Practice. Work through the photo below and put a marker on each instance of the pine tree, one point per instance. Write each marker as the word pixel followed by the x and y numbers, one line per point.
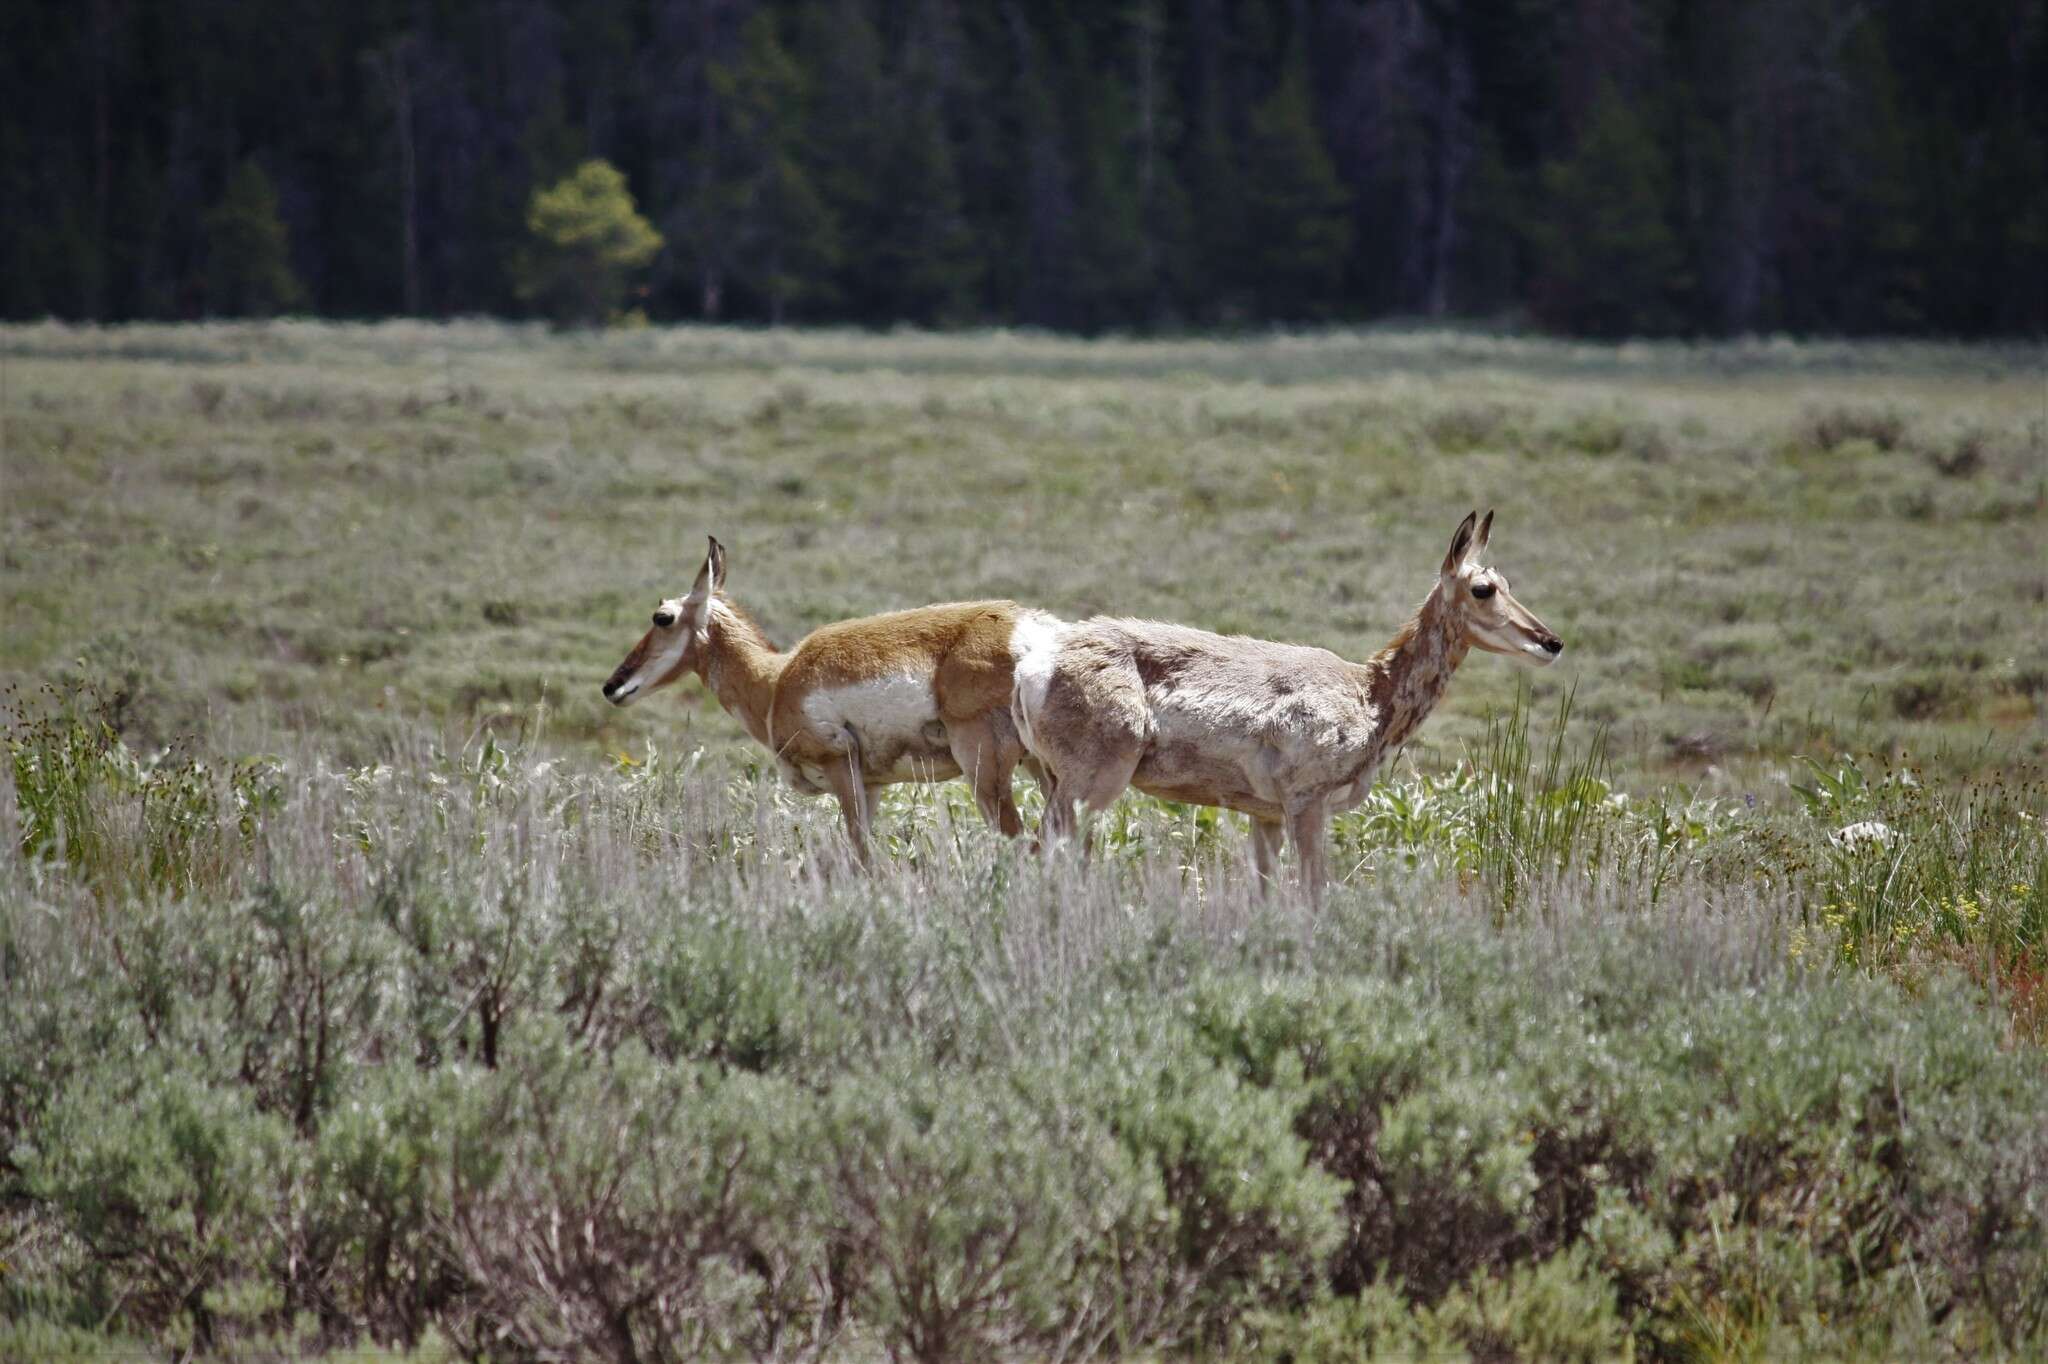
pixel 1048 289
pixel 1490 233
pixel 1165 226
pixel 1111 283
pixel 1217 277
pixel 927 264
pixel 846 143
pixel 248 251
pixel 1810 165
pixel 587 239
pixel 2017 191
pixel 779 234
pixel 1298 212
pixel 1607 262
pixel 1883 289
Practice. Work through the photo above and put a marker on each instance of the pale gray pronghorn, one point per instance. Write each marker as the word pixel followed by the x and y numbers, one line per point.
pixel 1285 733
pixel 920 695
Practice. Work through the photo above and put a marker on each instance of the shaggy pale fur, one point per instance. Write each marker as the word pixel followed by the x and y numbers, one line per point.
pixel 1287 733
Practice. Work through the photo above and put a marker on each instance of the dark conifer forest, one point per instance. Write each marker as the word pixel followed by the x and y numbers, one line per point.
pixel 1601 167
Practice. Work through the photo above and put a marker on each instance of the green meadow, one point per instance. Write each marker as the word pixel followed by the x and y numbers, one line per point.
pixel 1753 551
pixel 370 988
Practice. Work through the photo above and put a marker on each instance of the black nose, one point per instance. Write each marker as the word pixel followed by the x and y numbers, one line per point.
pixel 610 687
pixel 1554 644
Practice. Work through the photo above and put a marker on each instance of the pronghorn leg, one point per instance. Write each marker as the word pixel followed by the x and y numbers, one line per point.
pixel 1059 816
pixel 1267 836
pixel 1089 730
pixel 1309 827
pixel 1049 788
pixel 980 752
pixel 848 785
pixel 1095 788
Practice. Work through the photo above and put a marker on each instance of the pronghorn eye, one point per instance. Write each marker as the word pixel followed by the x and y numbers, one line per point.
pixel 664 618
pixel 1482 590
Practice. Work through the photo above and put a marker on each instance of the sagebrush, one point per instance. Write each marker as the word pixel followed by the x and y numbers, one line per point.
pixel 469 1050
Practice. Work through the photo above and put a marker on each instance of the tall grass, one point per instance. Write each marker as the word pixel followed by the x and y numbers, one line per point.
pixel 462 1049
pixel 1536 818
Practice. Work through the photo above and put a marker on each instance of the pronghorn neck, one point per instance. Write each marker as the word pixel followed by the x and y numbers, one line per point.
pixel 1411 674
pixel 740 666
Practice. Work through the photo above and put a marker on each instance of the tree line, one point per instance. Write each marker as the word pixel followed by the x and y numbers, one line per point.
pixel 1603 167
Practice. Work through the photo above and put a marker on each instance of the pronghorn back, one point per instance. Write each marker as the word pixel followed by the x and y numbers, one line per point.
pixel 1212 719
pixel 975 633
pixel 897 684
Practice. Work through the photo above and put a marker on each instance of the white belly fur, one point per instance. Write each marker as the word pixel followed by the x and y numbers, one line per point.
pixel 889 715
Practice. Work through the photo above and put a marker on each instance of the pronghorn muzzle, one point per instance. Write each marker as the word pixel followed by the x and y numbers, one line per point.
pixel 621 687
pixel 1536 644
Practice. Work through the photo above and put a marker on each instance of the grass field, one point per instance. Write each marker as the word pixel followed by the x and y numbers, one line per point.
pixel 352 949
pixel 1751 551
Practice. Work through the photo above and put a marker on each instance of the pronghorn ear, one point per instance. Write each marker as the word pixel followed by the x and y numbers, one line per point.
pixel 698 604
pixel 712 576
pixel 1485 532
pixel 1461 545
pixel 714 563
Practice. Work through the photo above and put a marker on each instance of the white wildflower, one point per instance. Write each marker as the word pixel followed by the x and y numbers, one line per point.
pixel 1866 833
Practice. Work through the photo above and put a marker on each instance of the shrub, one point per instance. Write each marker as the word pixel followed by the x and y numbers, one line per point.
pixel 722 992
pixel 1466 426
pixel 1462 1147
pixel 1251 1219
pixel 974 1215
pixel 1558 1309
pixel 377 1184
pixel 622 1208
pixel 1830 428
pixel 173 1184
pixel 1376 1325
pixel 1965 455
pixel 459 1041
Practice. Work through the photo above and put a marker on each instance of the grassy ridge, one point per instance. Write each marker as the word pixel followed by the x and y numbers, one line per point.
pixel 365 983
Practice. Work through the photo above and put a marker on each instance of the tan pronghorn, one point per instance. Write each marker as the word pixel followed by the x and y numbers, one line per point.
pixel 919 695
pixel 1286 733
